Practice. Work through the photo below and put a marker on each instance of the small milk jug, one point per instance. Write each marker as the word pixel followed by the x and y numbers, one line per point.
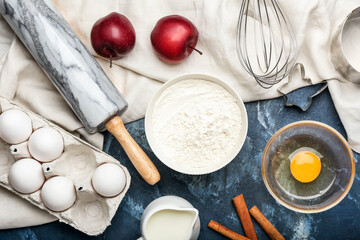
pixel 170 217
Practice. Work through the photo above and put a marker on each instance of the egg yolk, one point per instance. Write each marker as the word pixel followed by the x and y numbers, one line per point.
pixel 305 166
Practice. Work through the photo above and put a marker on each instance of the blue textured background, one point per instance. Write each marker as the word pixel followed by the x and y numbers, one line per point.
pixel 212 193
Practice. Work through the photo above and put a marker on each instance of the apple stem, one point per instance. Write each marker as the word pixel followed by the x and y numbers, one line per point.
pixel 110 60
pixel 200 52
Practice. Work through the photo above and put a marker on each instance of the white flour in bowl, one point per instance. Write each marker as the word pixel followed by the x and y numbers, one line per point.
pixel 196 123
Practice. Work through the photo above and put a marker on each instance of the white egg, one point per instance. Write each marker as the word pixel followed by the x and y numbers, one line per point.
pixel 26 175
pixel 46 144
pixel 15 126
pixel 109 180
pixel 58 193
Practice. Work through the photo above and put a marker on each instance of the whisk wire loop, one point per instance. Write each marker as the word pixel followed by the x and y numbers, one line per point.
pixel 269 52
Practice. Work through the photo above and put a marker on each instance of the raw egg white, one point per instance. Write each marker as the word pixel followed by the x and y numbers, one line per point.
pixel 305 165
pixel 58 193
pixel 15 126
pixel 26 175
pixel 46 144
pixel 109 180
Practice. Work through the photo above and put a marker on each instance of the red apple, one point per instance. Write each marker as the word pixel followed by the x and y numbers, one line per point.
pixel 174 38
pixel 113 36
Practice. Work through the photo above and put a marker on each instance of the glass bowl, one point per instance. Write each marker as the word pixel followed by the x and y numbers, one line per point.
pixel 337 167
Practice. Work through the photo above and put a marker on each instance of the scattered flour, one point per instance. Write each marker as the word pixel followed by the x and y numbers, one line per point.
pixel 196 122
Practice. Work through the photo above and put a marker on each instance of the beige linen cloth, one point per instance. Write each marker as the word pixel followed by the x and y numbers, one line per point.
pixel 140 74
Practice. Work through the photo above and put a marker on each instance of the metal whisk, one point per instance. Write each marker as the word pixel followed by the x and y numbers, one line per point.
pixel 265 41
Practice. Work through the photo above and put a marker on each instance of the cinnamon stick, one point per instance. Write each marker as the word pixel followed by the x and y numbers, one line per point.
pixel 244 216
pixel 265 224
pixel 225 231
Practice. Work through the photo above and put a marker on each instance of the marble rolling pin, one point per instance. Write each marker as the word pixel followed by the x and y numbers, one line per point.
pixel 75 73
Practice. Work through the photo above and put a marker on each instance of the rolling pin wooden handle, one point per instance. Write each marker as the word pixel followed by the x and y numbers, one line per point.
pixel 138 157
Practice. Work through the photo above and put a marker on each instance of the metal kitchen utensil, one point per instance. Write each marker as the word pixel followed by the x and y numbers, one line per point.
pixel 265 41
pixel 303 97
pixel 345 48
pixel 75 73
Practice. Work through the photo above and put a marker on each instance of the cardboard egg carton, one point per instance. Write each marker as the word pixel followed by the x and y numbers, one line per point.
pixel 91 213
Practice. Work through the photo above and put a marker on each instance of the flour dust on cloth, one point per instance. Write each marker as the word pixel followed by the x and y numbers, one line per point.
pixel 139 75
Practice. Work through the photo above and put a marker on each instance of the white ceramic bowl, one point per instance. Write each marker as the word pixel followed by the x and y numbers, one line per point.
pixel 185 169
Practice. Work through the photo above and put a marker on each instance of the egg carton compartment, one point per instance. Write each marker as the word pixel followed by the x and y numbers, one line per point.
pixel 91 213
